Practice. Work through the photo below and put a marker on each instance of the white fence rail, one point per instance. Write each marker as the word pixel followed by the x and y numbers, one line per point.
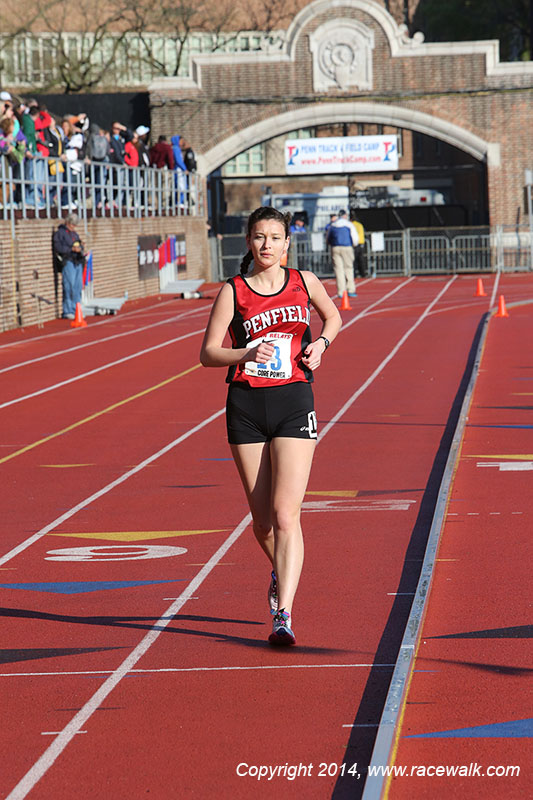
pixel 48 187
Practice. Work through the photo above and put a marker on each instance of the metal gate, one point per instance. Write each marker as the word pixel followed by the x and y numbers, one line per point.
pixel 415 251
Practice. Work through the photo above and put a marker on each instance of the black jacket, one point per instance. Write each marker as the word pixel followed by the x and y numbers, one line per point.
pixel 63 241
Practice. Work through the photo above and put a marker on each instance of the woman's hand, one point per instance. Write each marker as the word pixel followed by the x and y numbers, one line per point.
pixel 312 356
pixel 261 353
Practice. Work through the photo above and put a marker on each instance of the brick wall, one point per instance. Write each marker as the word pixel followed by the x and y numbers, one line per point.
pixel 456 84
pixel 26 265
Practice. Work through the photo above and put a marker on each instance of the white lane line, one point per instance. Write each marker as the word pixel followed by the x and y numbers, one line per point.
pixel 54 750
pixel 385 361
pixel 508 466
pixel 101 492
pixel 143 352
pixel 105 339
pixel 367 310
pixel 494 290
pixel 163 670
pixel 110 364
pixel 68 331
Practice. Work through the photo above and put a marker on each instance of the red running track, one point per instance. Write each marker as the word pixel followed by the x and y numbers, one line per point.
pixel 134 606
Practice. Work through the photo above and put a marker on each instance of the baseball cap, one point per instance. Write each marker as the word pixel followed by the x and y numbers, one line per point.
pixel 141 130
pixel 5 96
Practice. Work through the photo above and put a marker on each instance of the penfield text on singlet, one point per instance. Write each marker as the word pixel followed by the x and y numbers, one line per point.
pixel 266 319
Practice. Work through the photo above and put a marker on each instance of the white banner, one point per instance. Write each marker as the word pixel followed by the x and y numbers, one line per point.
pixel 341 154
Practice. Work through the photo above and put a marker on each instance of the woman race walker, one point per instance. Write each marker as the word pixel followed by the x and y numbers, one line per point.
pixel 270 414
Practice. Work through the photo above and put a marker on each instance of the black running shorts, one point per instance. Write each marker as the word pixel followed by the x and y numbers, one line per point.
pixel 260 414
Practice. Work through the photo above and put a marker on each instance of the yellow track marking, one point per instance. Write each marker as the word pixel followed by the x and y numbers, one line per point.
pixel 513 457
pixel 65 466
pixel 133 536
pixel 97 414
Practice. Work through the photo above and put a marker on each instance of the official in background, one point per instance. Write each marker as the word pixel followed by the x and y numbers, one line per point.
pixel 342 239
pixel 360 266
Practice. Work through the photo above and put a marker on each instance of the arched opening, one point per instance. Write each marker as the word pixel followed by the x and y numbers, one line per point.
pixel 443 166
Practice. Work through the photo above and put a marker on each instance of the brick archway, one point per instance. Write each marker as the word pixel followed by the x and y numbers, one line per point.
pixel 349 61
pixel 312 116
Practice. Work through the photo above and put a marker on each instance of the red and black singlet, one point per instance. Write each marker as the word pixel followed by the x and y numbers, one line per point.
pixel 282 319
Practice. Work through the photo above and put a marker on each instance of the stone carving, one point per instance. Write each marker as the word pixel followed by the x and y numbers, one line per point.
pixel 342 55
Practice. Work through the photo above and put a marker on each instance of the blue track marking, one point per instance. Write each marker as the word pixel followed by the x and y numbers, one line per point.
pixel 500 426
pixel 514 632
pixel 80 587
pixel 516 729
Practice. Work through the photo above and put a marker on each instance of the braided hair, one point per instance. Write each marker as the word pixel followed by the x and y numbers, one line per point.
pixel 261 213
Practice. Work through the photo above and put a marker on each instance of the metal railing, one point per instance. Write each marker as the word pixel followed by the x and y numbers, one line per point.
pixel 414 251
pixel 50 187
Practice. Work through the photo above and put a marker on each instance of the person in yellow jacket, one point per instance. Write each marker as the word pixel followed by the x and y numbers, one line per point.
pixel 360 267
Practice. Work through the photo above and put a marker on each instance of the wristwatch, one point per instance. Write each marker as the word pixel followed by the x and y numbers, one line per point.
pixel 326 342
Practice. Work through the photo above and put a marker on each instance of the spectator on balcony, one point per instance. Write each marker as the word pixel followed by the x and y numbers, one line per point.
pixel 131 158
pixel 7 140
pixel 189 156
pixel 161 154
pixel 74 149
pixel 17 152
pixel 144 155
pixel 120 134
pixel 180 172
pixel 97 152
pixel 42 121
pixel 35 167
pixel 52 139
pixel 8 112
pixel 117 143
pixel 144 161
pixel 131 152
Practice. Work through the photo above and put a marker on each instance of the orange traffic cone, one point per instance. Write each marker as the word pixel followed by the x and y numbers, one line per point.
pixel 78 321
pixel 480 291
pixel 345 303
pixel 502 311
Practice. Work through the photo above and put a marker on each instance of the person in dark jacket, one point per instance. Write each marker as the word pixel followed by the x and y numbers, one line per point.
pixel 120 134
pixel 161 154
pixel 342 238
pixel 68 254
pixel 189 156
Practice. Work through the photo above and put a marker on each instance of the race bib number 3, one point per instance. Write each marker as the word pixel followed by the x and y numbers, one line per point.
pixel 280 365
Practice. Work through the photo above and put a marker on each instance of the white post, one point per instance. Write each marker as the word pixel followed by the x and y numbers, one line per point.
pixel 529 181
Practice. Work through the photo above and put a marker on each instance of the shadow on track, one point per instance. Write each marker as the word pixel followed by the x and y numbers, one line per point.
pixel 138 623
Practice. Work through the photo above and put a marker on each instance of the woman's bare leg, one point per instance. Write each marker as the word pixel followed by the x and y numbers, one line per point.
pixel 253 464
pixel 291 464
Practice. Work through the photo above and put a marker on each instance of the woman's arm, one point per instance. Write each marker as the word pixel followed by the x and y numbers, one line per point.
pixel 213 353
pixel 328 313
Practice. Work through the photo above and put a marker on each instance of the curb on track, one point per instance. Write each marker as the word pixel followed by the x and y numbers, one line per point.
pixel 386 739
